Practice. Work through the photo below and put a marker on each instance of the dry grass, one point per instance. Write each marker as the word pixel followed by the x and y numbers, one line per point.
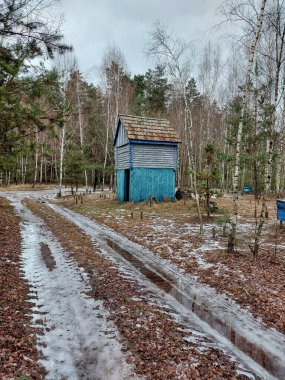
pixel 27 187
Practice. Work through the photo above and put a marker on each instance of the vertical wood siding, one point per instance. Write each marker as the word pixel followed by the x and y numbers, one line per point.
pixel 120 190
pixel 146 182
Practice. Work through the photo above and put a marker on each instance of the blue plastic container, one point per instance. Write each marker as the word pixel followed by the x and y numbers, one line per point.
pixel 280 209
pixel 247 190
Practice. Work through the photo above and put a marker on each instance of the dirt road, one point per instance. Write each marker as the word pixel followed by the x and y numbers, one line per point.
pixel 78 341
pixel 85 338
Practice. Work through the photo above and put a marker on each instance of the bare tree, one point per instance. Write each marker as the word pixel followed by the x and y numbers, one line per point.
pixel 280 156
pixel 64 66
pixel 112 70
pixel 275 32
pixel 177 56
pixel 210 70
pixel 236 174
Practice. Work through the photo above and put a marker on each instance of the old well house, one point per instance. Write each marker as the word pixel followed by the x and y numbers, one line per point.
pixel 146 158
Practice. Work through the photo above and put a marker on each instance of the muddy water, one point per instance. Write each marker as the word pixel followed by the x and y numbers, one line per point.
pixel 204 312
pixel 47 256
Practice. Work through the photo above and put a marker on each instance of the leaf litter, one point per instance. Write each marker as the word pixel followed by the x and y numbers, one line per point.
pixel 155 342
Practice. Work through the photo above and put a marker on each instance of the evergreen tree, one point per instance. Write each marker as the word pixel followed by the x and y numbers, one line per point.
pixel 24 36
pixel 139 87
pixel 156 91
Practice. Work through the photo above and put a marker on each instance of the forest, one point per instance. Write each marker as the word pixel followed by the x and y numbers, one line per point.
pixel 54 120
pixel 57 127
pixel 184 284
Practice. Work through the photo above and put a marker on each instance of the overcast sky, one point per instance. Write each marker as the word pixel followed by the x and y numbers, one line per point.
pixel 91 25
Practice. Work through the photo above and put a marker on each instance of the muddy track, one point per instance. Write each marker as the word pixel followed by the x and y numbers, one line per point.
pixel 78 341
pixel 255 350
pixel 234 329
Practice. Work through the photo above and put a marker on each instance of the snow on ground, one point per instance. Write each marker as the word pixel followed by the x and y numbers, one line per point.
pixel 78 342
pixel 241 326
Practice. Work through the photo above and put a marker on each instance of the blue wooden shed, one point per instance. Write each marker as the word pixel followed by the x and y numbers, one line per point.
pixel 146 158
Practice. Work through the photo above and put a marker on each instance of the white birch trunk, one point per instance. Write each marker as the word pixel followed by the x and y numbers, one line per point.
pixel 41 165
pixel 236 175
pixel 80 122
pixel 269 142
pixel 280 164
pixel 61 158
pixel 54 158
pixel 188 127
pixel 267 172
pixel 280 157
pixel 36 158
pixel 106 143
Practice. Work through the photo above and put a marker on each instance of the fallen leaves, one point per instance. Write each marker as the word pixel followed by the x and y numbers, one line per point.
pixel 18 353
pixel 154 342
pixel 171 232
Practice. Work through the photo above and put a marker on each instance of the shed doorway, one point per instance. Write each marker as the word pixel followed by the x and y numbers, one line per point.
pixel 127 185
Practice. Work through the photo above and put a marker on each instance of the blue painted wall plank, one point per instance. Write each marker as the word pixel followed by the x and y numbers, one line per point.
pixel 120 185
pixel 146 182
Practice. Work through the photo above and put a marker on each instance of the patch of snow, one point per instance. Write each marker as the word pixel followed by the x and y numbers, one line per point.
pixel 228 312
pixel 79 342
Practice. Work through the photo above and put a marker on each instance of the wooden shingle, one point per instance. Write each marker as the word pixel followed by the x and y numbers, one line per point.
pixel 149 129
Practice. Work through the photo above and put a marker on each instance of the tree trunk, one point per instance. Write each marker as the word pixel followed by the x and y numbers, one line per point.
pixel 188 127
pixel 236 175
pixel 61 157
pixel 41 165
pixel 80 125
pixel 36 158
pixel 106 143
pixel 258 229
pixel 280 164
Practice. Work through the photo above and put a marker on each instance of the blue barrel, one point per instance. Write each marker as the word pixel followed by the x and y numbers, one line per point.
pixel 247 190
pixel 280 209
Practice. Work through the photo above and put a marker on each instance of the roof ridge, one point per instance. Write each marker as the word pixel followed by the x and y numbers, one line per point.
pixel 144 117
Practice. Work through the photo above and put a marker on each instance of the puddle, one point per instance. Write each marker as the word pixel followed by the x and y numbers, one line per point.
pixel 236 332
pixel 204 311
pixel 47 257
pixel 163 283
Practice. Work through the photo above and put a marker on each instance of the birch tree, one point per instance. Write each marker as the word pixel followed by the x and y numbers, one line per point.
pixel 247 84
pixel 275 39
pixel 64 66
pixel 177 57
pixel 280 156
pixel 210 70
pixel 275 30
pixel 113 69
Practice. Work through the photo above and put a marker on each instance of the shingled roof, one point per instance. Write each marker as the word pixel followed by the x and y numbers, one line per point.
pixel 149 129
